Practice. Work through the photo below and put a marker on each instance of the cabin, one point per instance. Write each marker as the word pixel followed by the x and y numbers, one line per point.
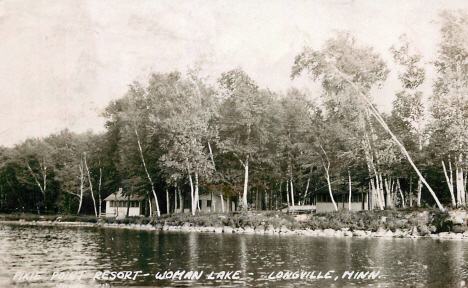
pixel 210 203
pixel 116 205
pixel 323 203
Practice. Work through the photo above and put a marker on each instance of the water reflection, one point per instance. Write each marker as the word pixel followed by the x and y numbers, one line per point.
pixel 401 262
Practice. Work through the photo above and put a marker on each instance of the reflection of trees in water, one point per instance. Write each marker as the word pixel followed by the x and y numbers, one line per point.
pixel 193 251
pixel 243 255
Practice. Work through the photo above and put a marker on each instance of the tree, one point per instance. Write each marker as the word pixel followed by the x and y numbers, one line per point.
pixel 180 116
pixel 347 73
pixel 241 112
pixel 33 156
pixel 449 106
pixel 408 109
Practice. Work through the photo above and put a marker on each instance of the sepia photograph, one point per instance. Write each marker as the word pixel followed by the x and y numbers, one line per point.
pixel 222 143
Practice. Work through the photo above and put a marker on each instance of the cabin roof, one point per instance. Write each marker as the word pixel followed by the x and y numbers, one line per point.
pixel 119 196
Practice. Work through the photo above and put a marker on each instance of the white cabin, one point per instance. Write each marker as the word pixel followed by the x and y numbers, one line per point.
pixel 116 205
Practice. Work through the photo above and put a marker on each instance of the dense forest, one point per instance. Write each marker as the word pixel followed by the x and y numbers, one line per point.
pixel 178 136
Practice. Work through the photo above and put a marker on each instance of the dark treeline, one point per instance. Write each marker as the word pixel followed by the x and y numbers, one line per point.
pixel 177 137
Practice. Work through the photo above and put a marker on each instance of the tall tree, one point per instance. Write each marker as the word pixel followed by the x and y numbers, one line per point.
pixel 348 73
pixel 241 111
pixel 449 102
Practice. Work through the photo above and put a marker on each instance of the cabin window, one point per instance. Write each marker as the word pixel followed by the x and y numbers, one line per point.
pixel 111 203
pixel 208 203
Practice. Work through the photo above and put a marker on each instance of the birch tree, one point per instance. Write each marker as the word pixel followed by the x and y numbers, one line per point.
pixel 348 73
pixel 449 102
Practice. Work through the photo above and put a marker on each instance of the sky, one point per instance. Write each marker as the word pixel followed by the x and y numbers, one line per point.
pixel 63 61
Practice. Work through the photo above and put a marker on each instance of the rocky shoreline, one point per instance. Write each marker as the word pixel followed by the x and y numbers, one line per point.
pixel 261 229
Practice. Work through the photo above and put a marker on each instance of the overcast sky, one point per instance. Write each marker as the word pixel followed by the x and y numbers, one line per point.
pixel 61 62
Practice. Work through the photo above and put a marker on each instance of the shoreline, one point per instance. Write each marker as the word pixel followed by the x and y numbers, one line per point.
pixel 268 230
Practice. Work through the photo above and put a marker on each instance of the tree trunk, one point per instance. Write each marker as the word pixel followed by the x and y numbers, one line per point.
pixel 194 207
pixel 222 202
pixel 181 200
pixel 382 122
pixel 99 191
pixel 128 205
pixel 168 204
pixel 90 184
pixel 146 171
pixel 401 193
pixel 350 188
pixel 82 180
pixel 287 191
pixel 450 185
pixel 292 193
pixel 196 191
pixel 460 184
pixel 330 189
pixel 306 191
pixel 377 191
pixel 246 182
pixel 150 207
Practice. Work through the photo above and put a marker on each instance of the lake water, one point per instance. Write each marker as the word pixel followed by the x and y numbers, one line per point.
pixel 92 257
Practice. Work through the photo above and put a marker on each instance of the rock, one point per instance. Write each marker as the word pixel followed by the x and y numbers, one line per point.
pixel 398 233
pixel 285 229
pixel 228 230
pixel 381 232
pixel 348 233
pixel 458 220
pixel 459 228
pixel 260 229
pixel 359 233
pixel 444 235
pixel 270 229
pixel 219 230
pixel 389 233
pixel 301 218
pixel 248 230
pixel 210 229
pixel 414 231
pixel 185 227
pixel 158 226
pixel 329 232
pixel 309 232
pixel 339 233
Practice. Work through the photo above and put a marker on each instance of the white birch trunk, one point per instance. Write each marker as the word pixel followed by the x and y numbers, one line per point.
pixel 306 190
pixel 168 204
pixel 147 173
pixel 99 191
pixel 194 207
pixel 401 194
pixel 450 185
pixel 90 184
pixel 292 192
pixel 330 189
pixel 350 189
pixel 196 191
pixel 384 125
pixel 246 183
pixel 222 202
